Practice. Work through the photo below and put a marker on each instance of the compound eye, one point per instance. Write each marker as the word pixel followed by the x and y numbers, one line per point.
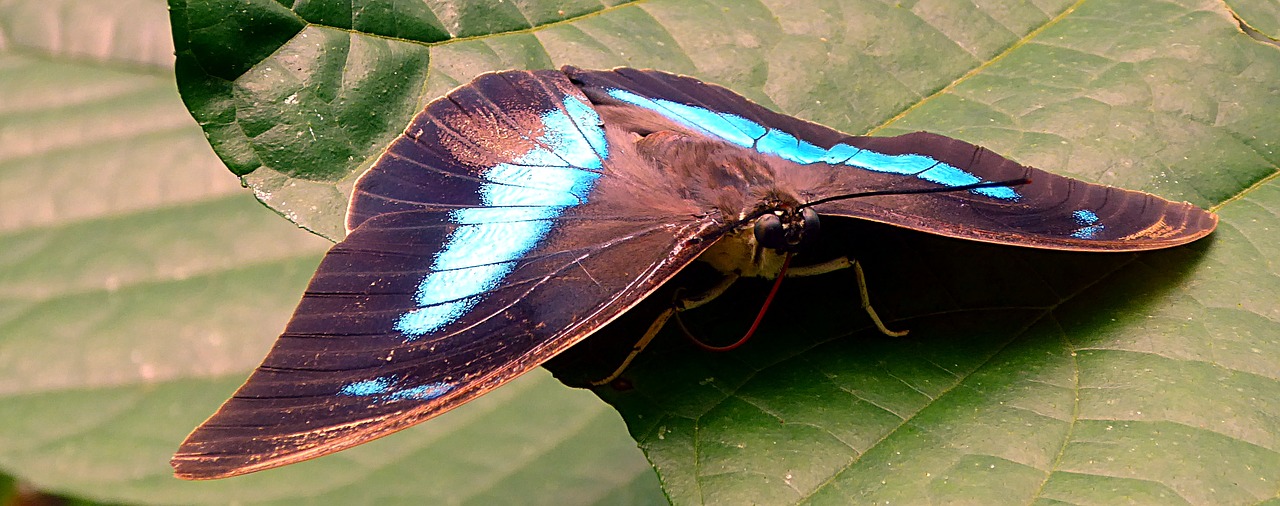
pixel 811 226
pixel 769 232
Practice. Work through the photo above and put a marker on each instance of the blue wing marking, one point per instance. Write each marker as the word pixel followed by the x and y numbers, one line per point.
pixel 388 388
pixel 519 198
pixel 749 134
pixel 1088 221
pixel 583 119
pixel 730 127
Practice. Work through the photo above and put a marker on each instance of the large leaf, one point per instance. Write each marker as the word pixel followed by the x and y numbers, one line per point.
pixel 1260 15
pixel 139 285
pixel 1027 377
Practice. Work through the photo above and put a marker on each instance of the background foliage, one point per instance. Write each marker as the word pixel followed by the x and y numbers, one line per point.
pixel 139 284
pixel 131 303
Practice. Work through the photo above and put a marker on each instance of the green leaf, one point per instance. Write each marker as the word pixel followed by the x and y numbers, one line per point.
pixel 1028 376
pixel 1259 15
pixel 8 490
pixel 139 285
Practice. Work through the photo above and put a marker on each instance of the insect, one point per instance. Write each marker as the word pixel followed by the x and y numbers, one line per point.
pixel 526 209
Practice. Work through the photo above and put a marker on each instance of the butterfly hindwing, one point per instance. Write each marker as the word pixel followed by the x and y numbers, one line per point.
pixel 1050 212
pixel 497 231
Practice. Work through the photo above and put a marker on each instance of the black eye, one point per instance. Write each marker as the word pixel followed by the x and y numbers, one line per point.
pixel 769 233
pixel 811 226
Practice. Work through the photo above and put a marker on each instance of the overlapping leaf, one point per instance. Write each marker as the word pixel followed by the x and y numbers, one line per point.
pixel 1028 376
pixel 1259 15
pixel 139 284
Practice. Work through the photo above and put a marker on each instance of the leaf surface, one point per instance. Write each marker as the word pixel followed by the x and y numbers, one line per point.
pixel 139 285
pixel 1028 377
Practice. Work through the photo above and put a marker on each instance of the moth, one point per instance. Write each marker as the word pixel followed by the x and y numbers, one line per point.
pixel 524 210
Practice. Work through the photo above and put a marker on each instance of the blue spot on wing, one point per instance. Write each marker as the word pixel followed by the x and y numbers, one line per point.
pixel 839 154
pixel 749 134
pixel 584 118
pixel 421 392
pixel 1088 221
pixel 1088 232
pixel 367 387
pixel 730 127
pixel 1085 216
pixel 521 199
pixel 906 165
pixel 387 388
pixel 998 192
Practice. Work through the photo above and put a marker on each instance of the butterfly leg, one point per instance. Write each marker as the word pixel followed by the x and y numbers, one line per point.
pixel 844 263
pixel 829 266
pixel 687 303
pixel 648 336
pixel 866 303
pixel 677 305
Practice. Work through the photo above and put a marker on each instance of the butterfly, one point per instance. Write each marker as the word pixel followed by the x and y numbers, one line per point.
pixel 526 209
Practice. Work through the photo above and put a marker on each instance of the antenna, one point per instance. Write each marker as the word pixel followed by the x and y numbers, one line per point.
pixel 988 184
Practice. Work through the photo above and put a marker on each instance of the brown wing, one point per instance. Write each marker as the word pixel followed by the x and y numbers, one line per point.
pixel 1052 211
pixel 498 231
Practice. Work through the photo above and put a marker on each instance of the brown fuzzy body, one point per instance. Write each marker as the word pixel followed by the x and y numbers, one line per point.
pixel 737 184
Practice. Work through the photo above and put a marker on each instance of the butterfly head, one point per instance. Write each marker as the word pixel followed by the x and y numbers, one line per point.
pixel 787 230
pixel 759 240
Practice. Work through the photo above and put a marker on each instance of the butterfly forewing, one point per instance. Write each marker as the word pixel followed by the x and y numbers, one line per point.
pixel 1050 212
pixel 499 230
